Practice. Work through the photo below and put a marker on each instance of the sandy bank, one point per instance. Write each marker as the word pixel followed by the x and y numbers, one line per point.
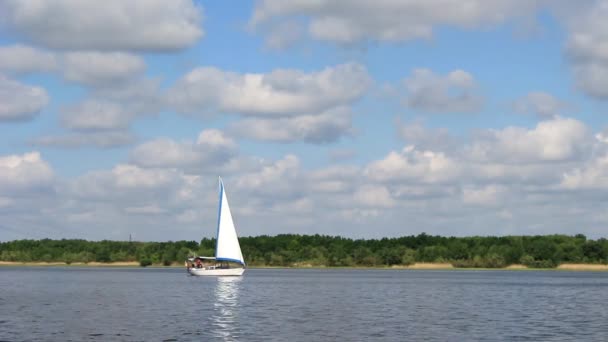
pixel 583 267
pixel 416 266
pixel 425 266
pixel 90 264
pixel 516 267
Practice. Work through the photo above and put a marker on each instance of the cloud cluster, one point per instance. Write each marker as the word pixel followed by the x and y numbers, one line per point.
pixel 558 139
pixel 454 92
pixel 587 47
pixel 141 25
pixel 285 105
pixel 91 44
pixel 524 180
pixel 95 68
pixel 211 150
pixel 20 173
pixel 392 21
pixel 326 127
pixel 19 101
pixel 541 104
pixel 282 92
pixel 19 59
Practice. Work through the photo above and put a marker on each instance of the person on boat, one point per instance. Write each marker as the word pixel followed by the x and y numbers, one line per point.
pixel 198 263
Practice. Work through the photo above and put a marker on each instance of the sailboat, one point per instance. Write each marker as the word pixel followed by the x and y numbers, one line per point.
pixel 228 260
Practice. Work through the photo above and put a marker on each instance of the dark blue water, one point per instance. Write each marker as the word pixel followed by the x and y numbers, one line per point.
pixel 93 304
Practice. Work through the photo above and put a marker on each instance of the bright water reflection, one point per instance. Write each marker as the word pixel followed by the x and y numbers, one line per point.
pixel 225 320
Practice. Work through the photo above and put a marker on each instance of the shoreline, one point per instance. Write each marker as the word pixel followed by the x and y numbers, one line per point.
pixel 416 266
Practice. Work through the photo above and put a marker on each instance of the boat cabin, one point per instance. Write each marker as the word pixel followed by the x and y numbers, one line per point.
pixel 206 263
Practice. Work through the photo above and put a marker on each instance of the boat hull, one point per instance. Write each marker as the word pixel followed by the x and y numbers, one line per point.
pixel 216 272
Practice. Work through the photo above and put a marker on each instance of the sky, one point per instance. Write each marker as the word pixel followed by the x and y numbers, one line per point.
pixel 364 119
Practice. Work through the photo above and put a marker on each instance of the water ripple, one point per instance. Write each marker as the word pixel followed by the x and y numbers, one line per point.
pixel 71 304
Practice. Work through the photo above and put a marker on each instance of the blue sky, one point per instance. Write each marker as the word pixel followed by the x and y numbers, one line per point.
pixel 333 117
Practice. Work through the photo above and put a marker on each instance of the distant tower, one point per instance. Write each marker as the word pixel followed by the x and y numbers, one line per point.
pixel 129 237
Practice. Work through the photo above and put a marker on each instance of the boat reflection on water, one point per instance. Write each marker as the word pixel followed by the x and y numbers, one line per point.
pixel 225 320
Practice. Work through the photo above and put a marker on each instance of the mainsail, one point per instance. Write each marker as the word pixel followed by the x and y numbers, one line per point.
pixel 227 248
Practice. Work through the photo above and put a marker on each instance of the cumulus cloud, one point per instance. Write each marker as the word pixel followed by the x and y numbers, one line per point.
pixel 326 127
pixel 103 139
pixel 413 164
pixel 284 36
pixel 19 101
pixel 432 188
pixel 430 92
pixel 592 79
pixel 104 118
pixel 557 139
pixel 20 59
pixel 19 173
pixel 375 196
pixel 144 25
pixel 592 176
pixel 212 149
pixel 273 179
pixel 128 178
pixel 415 133
pixel 283 92
pixel 392 21
pixel 97 68
pixel 96 115
pixel 488 195
pixel 541 104
pixel 587 47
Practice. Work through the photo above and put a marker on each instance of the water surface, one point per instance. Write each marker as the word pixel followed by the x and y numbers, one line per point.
pixel 106 304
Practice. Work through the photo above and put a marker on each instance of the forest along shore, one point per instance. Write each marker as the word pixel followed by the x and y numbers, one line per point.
pixel 416 266
pixel 291 250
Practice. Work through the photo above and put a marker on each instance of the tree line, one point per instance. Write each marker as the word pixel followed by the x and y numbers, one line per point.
pixel 542 251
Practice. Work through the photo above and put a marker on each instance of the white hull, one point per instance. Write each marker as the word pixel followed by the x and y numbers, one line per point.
pixel 216 272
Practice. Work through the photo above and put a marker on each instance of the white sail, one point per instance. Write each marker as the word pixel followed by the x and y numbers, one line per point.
pixel 228 248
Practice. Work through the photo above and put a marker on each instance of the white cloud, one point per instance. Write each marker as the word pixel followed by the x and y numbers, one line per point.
pixel 557 139
pixel 96 115
pixel 414 165
pixel 24 172
pixel 104 119
pixel 484 196
pixel 19 101
pixel 326 127
pixel 97 68
pixel 216 139
pixel 103 139
pixel 430 92
pixel 275 180
pixel 437 190
pixel 414 133
pixel 588 36
pixel 21 59
pixel 282 92
pixel 542 104
pixel 592 175
pixel 587 47
pixel 374 196
pixel 284 36
pixel 211 150
pixel 123 181
pixel 145 210
pixel 333 179
pixel 145 25
pixel 592 78
pixel 345 21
